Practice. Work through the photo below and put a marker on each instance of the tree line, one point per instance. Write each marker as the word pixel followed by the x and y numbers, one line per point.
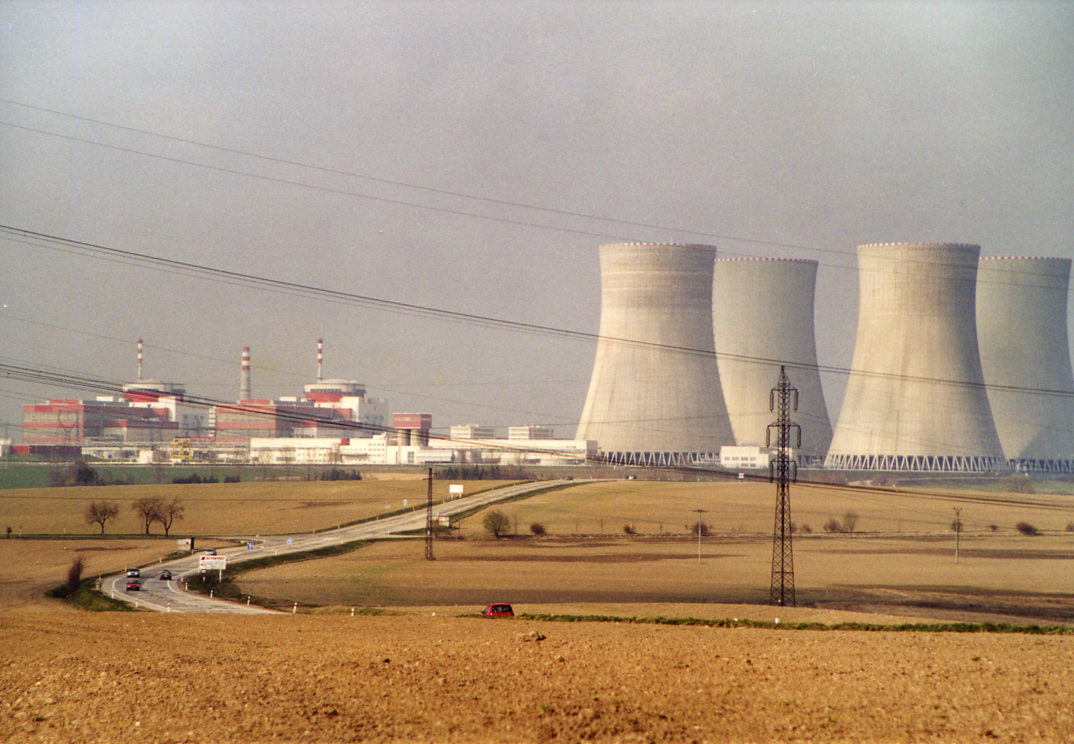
pixel 150 510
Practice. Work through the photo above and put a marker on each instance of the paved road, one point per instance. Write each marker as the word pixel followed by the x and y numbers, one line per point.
pixel 169 596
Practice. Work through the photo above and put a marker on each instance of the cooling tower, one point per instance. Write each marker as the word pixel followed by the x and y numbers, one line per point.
pixel 654 397
pixel 762 317
pixel 915 397
pixel 1025 356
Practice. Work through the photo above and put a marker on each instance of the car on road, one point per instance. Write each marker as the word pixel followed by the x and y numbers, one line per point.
pixel 165 575
pixel 498 609
pixel 133 573
pixel 134 585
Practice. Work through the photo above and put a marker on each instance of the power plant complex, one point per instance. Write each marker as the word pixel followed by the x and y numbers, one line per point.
pixel 961 364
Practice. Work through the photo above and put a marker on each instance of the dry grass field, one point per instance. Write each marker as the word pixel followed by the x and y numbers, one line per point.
pixel 269 507
pixel 1005 578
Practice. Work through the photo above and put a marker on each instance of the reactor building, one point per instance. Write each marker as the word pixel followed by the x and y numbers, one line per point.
pixel 915 397
pixel 654 397
pixel 762 318
pixel 1025 356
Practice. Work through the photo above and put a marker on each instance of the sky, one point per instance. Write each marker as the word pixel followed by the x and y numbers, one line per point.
pixel 471 157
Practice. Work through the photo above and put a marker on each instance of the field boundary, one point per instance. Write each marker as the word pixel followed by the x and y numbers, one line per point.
pixel 845 626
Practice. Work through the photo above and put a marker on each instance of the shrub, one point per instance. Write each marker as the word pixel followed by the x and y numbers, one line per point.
pixel 994 527
pixel 496 523
pixel 537 529
pixel 1026 528
pixel 74 575
pixel 833 525
pixel 1070 526
pixel 77 473
pixel 705 529
pixel 805 529
pixel 629 529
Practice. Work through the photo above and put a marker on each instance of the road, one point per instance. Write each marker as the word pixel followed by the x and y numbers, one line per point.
pixel 169 596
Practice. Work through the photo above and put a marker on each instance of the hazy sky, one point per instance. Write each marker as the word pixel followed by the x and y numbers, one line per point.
pixel 313 142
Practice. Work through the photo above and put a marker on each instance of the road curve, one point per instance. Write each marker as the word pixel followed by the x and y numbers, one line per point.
pixel 169 596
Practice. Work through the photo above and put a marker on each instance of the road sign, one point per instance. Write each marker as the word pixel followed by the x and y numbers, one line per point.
pixel 455 490
pixel 212 562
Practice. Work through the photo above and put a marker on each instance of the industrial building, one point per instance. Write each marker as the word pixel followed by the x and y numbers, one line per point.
pixel 1025 357
pixel 328 408
pixel 915 397
pixel 762 319
pixel 386 449
pixel 654 396
pixel 148 411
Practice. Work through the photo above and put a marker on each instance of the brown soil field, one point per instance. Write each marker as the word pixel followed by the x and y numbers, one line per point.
pixel 76 677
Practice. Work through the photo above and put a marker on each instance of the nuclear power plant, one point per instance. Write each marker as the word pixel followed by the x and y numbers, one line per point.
pixel 1025 356
pixel 654 396
pixel 762 318
pixel 915 397
pixel 961 364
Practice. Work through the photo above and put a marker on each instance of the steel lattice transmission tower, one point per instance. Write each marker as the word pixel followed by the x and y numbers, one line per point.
pixel 783 470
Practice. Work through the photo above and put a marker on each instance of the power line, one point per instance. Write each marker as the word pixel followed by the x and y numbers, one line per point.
pixel 381 180
pixel 96 250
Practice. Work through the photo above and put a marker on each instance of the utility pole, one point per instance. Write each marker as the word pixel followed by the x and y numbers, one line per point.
pixel 429 520
pixel 783 470
pixel 958 528
pixel 699 513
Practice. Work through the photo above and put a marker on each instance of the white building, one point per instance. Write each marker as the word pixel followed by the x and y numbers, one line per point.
pixel 745 457
pixel 529 431
pixel 472 431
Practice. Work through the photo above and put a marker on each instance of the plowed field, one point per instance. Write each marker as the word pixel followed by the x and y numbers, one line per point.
pixel 74 677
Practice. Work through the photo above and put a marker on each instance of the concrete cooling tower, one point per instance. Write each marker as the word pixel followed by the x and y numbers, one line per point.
pixel 762 317
pixel 915 397
pixel 654 397
pixel 1025 355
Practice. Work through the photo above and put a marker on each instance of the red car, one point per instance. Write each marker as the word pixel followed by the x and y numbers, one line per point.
pixel 498 609
pixel 134 585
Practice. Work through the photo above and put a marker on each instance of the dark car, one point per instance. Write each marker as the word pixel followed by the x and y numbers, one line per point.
pixel 498 609
pixel 134 585
pixel 165 575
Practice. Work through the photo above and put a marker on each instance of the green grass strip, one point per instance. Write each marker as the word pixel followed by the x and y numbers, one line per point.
pixel 729 623
pixel 85 597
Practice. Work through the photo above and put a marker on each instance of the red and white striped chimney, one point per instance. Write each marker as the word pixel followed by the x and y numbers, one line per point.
pixel 139 360
pixel 320 357
pixel 244 377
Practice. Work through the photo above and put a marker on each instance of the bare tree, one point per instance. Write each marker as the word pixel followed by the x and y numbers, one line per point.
pixel 169 512
pixel 149 509
pixel 850 521
pixel 100 512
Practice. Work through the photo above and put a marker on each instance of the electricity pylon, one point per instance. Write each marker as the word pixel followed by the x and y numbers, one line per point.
pixel 783 470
